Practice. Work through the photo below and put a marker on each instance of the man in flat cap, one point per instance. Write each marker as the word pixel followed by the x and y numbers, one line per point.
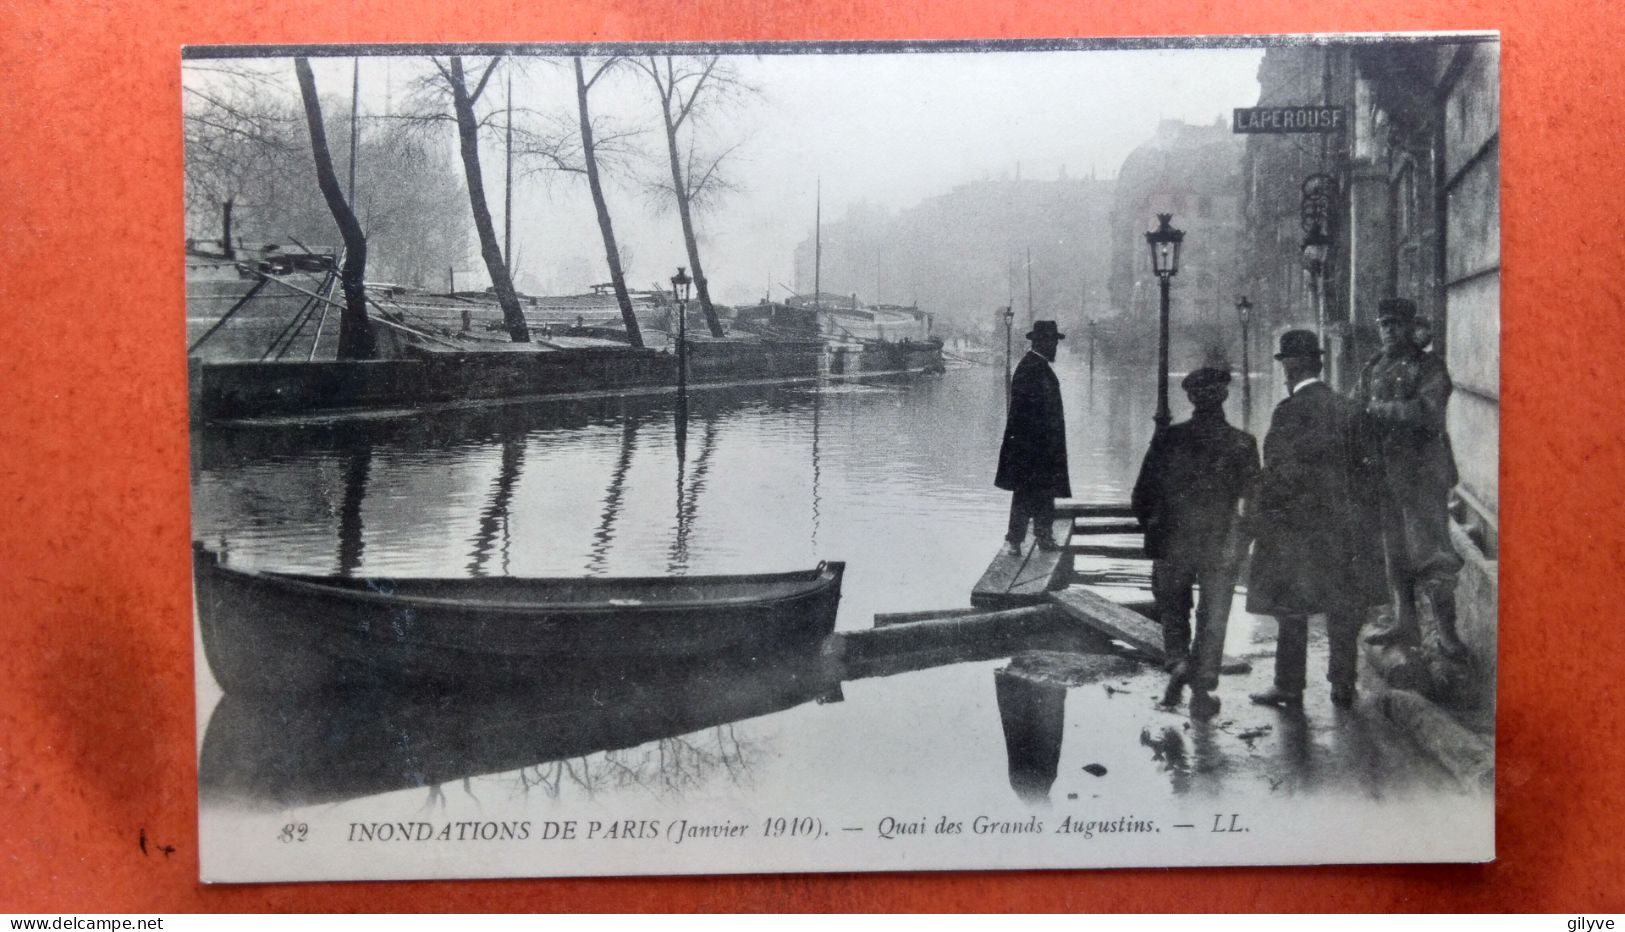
pixel 1193 485
pixel 1315 553
pixel 1403 392
pixel 1032 459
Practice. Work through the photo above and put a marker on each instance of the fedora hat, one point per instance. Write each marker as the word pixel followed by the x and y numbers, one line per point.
pixel 1045 328
pixel 1298 343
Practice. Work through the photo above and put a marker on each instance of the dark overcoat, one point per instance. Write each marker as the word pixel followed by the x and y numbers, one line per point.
pixel 1191 482
pixel 1404 394
pixel 1319 546
pixel 1033 456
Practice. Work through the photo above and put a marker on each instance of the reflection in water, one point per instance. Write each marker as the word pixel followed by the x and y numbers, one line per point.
pixel 667 732
pixel 494 516
pixel 614 497
pixel 357 466
pixel 1033 713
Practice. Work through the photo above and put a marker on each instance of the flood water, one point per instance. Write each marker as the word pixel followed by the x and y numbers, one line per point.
pixel 894 477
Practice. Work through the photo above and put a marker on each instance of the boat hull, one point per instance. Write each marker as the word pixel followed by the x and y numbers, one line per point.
pixel 274 635
pixel 422 379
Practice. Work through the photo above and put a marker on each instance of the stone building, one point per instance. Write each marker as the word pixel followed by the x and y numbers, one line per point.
pixel 1417 215
pixel 965 252
pixel 1194 173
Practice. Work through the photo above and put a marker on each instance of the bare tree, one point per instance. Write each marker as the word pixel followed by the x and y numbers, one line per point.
pixel 463 100
pixel 355 335
pixel 237 139
pixel 683 91
pixel 589 158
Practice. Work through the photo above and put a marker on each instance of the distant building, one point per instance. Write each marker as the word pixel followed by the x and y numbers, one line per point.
pixel 1192 172
pixel 965 252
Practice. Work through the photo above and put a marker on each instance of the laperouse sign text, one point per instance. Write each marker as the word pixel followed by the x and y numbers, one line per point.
pixel 1301 119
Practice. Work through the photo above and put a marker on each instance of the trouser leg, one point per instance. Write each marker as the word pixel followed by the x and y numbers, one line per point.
pixel 1401 580
pixel 1343 648
pixel 1291 653
pixel 1171 586
pixel 1218 582
pixel 1042 508
pixel 1018 517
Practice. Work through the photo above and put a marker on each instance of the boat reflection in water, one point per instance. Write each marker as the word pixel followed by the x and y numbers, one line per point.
pixel 265 755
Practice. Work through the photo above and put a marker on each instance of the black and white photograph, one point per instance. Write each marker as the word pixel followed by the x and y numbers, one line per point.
pixel 781 457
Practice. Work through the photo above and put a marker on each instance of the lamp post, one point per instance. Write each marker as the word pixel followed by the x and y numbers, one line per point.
pixel 1164 242
pixel 1244 310
pixel 1092 323
pixel 679 290
pixel 1317 243
pixel 1009 321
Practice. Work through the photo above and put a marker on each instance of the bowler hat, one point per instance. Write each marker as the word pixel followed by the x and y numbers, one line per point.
pixel 1045 328
pixel 1396 309
pixel 1205 377
pixel 1299 343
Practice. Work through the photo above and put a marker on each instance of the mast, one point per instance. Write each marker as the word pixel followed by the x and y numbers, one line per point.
pixel 355 120
pixel 818 243
pixel 1029 286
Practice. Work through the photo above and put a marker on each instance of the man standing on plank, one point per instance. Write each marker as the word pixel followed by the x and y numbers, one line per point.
pixel 1032 459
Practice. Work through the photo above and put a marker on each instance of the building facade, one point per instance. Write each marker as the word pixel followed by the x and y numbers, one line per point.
pixel 1416 214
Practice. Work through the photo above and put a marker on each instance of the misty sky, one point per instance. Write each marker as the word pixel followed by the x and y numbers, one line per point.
pixel 889 129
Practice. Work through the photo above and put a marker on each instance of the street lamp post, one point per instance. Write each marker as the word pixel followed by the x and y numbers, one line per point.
pixel 1316 245
pixel 1244 310
pixel 679 291
pixel 1092 323
pixel 1009 321
pixel 1164 242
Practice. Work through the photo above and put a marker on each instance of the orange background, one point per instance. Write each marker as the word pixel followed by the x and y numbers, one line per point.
pixel 97 726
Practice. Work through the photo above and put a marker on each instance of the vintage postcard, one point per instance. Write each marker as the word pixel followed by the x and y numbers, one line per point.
pixel 642 459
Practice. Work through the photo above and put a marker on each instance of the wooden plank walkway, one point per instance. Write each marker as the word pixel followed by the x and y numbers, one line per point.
pixel 1012 581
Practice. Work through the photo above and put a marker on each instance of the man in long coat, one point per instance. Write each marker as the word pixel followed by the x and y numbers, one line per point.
pixel 1189 497
pixel 1403 393
pixel 1032 459
pixel 1317 550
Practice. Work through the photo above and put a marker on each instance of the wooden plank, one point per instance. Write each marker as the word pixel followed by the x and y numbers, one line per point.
pixel 1072 509
pixel 1111 619
pixel 1014 580
pixel 887 619
pixel 950 632
pixel 1108 527
pixel 1106 550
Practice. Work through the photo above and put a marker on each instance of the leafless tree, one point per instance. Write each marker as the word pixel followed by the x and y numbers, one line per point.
pixel 463 101
pixel 685 88
pixel 355 335
pixel 589 159
pixel 238 137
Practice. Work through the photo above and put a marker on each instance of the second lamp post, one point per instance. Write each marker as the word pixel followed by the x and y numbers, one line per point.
pixel 679 292
pixel 1164 242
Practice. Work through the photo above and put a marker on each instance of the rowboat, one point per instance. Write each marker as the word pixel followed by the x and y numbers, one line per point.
pixel 273 634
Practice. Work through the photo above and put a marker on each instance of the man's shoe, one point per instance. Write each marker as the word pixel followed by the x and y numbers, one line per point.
pixel 1343 696
pixel 1279 698
pixel 1012 547
pixel 1048 544
pixel 1204 705
pixel 1177 675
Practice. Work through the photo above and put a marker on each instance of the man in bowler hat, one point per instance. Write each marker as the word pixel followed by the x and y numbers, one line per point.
pixel 1315 552
pixel 1032 459
pixel 1403 392
pixel 1193 484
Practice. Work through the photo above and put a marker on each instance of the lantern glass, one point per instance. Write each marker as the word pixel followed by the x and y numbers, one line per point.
pixel 680 284
pixel 1165 242
pixel 1244 307
pixel 1316 246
